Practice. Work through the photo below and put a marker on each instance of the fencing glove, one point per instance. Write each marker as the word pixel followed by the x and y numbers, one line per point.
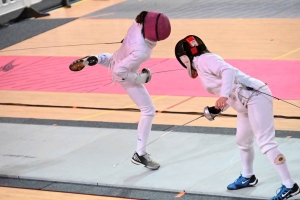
pixel 211 112
pixel 139 78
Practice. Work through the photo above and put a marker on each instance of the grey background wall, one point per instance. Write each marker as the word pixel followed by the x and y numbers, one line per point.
pixel 40 7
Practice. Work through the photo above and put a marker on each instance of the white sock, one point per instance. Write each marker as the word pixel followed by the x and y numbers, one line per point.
pixel 278 160
pixel 104 58
pixel 144 128
pixel 247 157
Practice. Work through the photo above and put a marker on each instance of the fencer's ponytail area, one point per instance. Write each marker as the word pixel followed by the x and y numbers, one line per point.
pixel 141 17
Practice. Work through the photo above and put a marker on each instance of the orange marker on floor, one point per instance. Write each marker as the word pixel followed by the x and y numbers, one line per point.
pixel 180 194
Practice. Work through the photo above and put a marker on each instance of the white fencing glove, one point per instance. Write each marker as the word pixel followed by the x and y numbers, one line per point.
pixel 144 76
pixel 139 78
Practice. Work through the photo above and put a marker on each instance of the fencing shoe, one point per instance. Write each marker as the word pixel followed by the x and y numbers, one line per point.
pixel 286 193
pixel 242 182
pixel 144 160
pixel 79 64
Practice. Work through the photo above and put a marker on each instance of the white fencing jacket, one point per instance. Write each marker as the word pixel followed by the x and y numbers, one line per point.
pixel 133 52
pixel 217 76
pixel 220 78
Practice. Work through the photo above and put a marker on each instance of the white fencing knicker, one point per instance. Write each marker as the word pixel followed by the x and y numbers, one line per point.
pixel 255 119
pixel 140 96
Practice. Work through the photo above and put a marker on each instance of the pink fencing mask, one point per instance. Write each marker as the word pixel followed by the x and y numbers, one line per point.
pixel 156 26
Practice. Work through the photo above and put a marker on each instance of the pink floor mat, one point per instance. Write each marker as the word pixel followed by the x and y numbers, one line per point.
pixel 53 74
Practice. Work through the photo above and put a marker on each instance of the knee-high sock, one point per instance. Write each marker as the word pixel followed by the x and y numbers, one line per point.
pixel 144 128
pixel 275 157
pixel 139 94
pixel 104 59
pixel 247 157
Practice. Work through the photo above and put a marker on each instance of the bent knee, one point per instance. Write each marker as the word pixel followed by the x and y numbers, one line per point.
pixel 121 73
pixel 244 144
pixel 118 71
pixel 267 146
pixel 148 111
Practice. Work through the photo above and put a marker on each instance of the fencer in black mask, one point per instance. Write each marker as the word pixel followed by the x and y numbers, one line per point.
pixel 255 119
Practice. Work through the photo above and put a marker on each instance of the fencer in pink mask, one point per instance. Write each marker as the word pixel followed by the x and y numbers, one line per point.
pixel 148 28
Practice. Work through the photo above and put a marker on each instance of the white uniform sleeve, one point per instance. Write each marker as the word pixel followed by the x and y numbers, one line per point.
pixel 134 59
pixel 222 69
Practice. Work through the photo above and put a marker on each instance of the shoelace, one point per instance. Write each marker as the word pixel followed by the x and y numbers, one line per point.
pixel 238 178
pixel 147 157
pixel 283 190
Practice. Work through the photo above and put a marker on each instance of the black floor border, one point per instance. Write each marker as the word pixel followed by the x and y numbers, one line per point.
pixel 107 190
pixel 133 126
pixel 131 110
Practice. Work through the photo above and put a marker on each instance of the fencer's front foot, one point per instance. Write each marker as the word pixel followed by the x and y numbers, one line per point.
pixel 243 182
pixel 144 160
pixel 286 193
pixel 79 64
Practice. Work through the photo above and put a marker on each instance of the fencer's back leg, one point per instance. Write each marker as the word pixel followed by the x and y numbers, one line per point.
pixel 104 59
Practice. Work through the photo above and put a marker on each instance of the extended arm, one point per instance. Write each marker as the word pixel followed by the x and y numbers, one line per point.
pixel 220 68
